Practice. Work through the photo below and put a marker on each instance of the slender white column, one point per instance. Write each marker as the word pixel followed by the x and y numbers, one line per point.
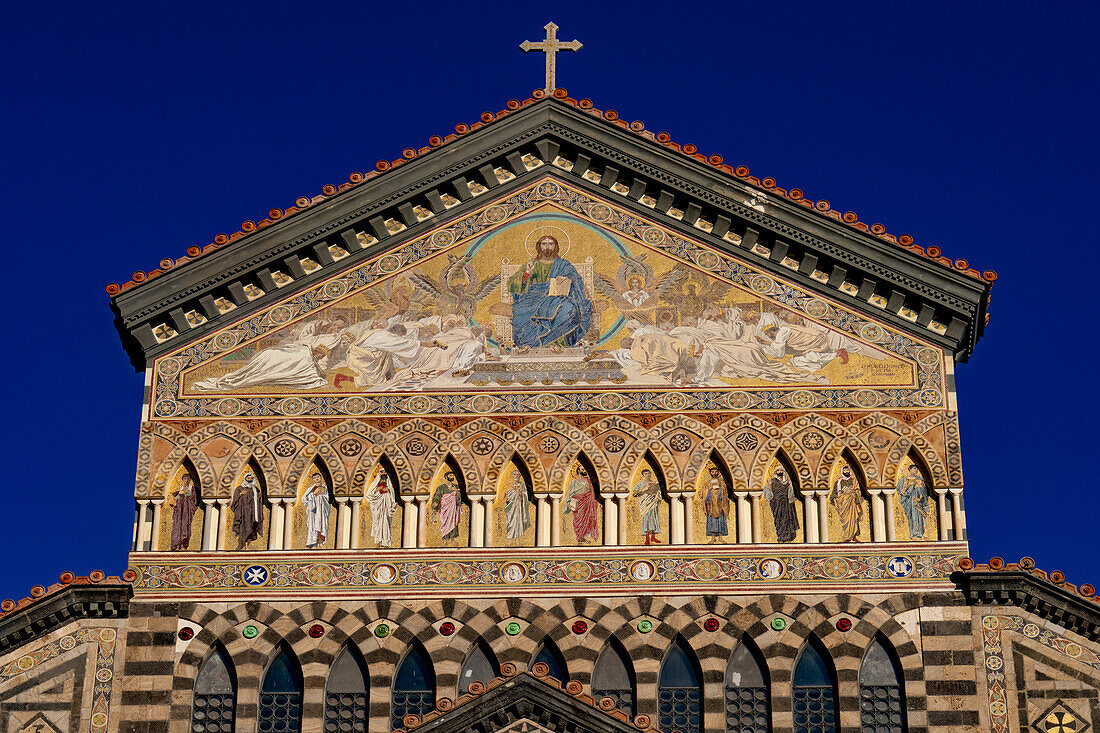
pixel 878 516
pixel 888 506
pixel 689 517
pixel 958 519
pixel 275 535
pixel 823 514
pixel 343 521
pixel 157 504
pixel 489 521
pixel 356 529
pixel 676 519
pixel 941 508
pixel 477 523
pixel 288 524
pixel 223 511
pixel 620 515
pixel 145 508
pixel 610 520
pixel 744 518
pixel 139 511
pixel 555 521
pixel 409 522
pixel 209 524
pixel 754 507
pixel 809 518
pixel 422 521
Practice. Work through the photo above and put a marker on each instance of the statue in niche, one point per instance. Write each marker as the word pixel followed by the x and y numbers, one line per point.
pixel 913 496
pixel 447 506
pixel 248 513
pixel 382 505
pixel 716 505
pixel 549 305
pixel 846 498
pixel 184 503
pixel 779 493
pixel 318 508
pixel 648 493
pixel 517 508
pixel 580 502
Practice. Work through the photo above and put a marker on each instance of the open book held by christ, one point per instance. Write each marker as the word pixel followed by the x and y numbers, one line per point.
pixel 559 286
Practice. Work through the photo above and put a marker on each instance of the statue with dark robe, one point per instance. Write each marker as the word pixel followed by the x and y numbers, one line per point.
pixel 779 493
pixel 186 502
pixel 248 513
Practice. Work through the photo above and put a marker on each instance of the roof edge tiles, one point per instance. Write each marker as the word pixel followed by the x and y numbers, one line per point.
pixel 768 184
pixel 96 595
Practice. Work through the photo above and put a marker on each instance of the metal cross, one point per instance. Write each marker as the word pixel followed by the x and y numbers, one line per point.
pixel 550 46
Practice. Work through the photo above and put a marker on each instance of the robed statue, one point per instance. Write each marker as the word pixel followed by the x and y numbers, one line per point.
pixel 549 305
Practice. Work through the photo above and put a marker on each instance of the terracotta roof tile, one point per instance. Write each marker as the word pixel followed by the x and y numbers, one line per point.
pixel 67 579
pixel 1055 577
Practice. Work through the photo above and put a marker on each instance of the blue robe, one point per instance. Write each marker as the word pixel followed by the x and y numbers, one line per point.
pixel 539 319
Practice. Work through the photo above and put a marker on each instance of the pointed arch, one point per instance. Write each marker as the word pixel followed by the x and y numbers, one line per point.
pixel 581 514
pixel 680 689
pixel 881 691
pixel 748 709
pixel 549 654
pixel 382 489
pixel 346 696
pixel 448 519
pixel 314 506
pixel 413 691
pixel 214 701
pixel 454 453
pixel 249 517
pixel 813 690
pixel 849 515
pixel 480 666
pixel 713 511
pixel 514 506
pixel 613 676
pixel 648 500
pixel 281 693
pixel 782 503
pixel 182 520
pixel 912 503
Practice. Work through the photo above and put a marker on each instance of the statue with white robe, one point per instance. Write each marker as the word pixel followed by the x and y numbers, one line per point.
pixel 383 505
pixel 318 508
pixel 517 508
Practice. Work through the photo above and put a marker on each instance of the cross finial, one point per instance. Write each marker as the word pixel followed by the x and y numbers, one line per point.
pixel 550 46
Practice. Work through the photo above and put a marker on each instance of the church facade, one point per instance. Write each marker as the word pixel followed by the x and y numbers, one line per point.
pixel 552 424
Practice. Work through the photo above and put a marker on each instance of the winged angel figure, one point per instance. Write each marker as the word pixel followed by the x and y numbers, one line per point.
pixel 457 291
pixel 635 290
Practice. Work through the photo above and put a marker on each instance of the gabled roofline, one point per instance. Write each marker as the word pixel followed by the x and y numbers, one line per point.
pixel 95 595
pixel 684 190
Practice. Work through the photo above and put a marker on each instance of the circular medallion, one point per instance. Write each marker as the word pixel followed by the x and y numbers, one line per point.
pixel 843 624
pixel 482 403
pixel 382 631
pixel 99 720
pixel 706 569
pixel 190 576
pixel 383 573
pixel 990 622
pixel 614 443
pixel 495 214
pixel 548 190
pixel 746 441
pixel 513 572
pixel 549 444
pixel 929 397
pixel 817 308
pixel 711 624
pixel 770 568
pixel 871 332
pixel 812 441
pixel 579 627
pixel 355 405
pixel 186 633
pixel 836 568
pixel 255 575
pixel 250 632
pixel 482 446
pixel 762 285
pixel 578 571
pixel 993 663
pixel 653 235
pixel 778 623
pixel 645 626
pixel 1074 650
pixel 225 340
pixel 228 406
pixel 284 448
pixel 168 367
pixel 642 570
pixel 446 628
pixel 280 314
pixel 67 643
pixel 416 447
pixel 600 212
pixel 316 631
pixel 389 263
pixel 107 635
pixel 448 572
pixel 320 575
pixel 349 447
pixel 928 357
pixel 512 628
pixel 546 402
pixel 899 567
pixel 866 398
pixel 291 406
pixel 738 400
pixel 610 402
pixel 707 259
pixel 335 289
pixel 680 443
pixel 674 401
pixel 802 400
pixel 443 238
pixel 165 408
pixel 1031 631
pixel 419 404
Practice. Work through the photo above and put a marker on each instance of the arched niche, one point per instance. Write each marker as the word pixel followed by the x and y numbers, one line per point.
pixel 247 521
pixel 315 509
pixel 915 513
pixel 581 512
pixel 514 509
pixel 448 520
pixel 782 515
pixel 181 519
pixel 647 505
pixel 849 510
pixel 382 513
pixel 613 676
pixel 714 511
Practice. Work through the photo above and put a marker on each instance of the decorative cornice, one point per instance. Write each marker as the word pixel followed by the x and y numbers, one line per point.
pixel 95 595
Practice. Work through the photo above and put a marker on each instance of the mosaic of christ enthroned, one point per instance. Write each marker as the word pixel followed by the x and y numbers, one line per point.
pixel 548 300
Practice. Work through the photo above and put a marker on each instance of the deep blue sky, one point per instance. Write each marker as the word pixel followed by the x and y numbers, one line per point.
pixel 132 131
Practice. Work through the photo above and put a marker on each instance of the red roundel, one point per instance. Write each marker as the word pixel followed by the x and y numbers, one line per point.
pixel 186 633
pixel 317 631
pixel 446 628
pixel 711 624
pixel 844 624
pixel 579 627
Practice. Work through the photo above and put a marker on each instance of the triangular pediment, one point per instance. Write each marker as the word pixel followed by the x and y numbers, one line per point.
pixel 771 230
pixel 549 289
pixel 527 704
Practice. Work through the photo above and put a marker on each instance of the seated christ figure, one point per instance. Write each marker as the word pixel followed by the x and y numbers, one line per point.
pixel 549 305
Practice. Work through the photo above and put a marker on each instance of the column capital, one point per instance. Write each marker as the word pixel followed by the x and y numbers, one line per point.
pixel 741 494
pixel 223 500
pixel 158 502
pixel 955 491
pixel 874 492
pixel 209 501
pixel 358 500
pixel 341 500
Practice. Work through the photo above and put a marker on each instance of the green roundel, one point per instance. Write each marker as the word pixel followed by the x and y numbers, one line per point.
pixel 512 629
pixel 382 630
pixel 779 623
pixel 250 632
pixel 645 626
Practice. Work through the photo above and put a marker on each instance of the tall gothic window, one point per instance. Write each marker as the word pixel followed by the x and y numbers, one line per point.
pixel 281 695
pixel 613 676
pixel 346 695
pixel 480 666
pixel 413 687
pixel 215 694
pixel 747 691
pixel 881 702
pixel 814 691
pixel 679 690
pixel 548 654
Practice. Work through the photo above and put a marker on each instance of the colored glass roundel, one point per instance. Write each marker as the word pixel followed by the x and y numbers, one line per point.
pixel 512 629
pixel 382 631
pixel 250 632
pixel 779 623
pixel 317 631
pixel 844 624
pixel 186 633
pixel 446 628
pixel 711 624
pixel 579 627
pixel 645 626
